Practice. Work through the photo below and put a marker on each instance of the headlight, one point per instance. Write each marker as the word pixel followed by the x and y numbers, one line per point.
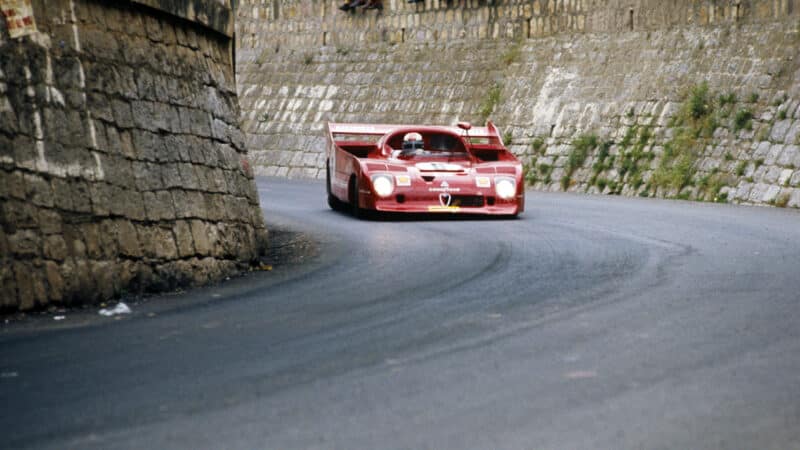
pixel 506 187
pixel 383 185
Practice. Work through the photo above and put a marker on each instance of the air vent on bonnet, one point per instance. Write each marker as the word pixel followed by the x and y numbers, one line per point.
pixel 506 169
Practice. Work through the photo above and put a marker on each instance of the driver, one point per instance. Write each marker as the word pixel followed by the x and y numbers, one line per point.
pixel 412 144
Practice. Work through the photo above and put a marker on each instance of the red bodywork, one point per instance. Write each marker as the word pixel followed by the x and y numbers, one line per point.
pixel 461 169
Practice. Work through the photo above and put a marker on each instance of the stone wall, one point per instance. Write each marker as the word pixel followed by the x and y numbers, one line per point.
pixel 594 96
pixel 122 164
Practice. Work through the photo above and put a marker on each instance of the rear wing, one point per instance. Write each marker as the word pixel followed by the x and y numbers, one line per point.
pixel 482 136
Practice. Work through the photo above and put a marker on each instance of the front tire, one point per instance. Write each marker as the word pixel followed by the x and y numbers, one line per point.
pixel 333 202
pixel 353 196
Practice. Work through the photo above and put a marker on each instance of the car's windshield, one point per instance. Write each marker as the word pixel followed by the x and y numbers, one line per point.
pixel 427 145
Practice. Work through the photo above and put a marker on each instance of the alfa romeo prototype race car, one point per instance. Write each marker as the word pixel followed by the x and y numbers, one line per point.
pixel 422 169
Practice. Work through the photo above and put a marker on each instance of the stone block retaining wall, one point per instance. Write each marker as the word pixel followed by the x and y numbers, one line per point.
pixel 594 96
pixel 122 164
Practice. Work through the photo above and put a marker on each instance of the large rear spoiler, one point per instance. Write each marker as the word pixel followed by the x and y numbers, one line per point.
pixel 487 135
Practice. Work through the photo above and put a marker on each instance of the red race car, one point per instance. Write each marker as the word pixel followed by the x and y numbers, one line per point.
pixel 422 169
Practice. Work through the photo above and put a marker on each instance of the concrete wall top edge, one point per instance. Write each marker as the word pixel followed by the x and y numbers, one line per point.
pixel 213 14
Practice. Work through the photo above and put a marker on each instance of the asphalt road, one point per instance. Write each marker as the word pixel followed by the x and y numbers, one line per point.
pixel 590 322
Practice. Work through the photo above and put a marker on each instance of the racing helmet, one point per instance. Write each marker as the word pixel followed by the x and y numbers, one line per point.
pixel 412 141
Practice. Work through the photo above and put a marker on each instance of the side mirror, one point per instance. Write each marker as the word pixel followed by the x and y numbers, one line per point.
pixel 464 125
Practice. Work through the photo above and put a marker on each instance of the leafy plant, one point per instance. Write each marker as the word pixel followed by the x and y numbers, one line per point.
pixel 727 99
pixel 743 120
pixel 580 150
pixel 740 168
pixel 537 145
pixel 491 101
pixel 507 137
pixel 699 101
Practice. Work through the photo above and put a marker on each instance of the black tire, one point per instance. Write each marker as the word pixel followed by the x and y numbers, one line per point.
pixel 333 202
pixel 355 208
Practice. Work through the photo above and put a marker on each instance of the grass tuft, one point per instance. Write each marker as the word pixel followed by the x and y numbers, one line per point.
pixel 491 101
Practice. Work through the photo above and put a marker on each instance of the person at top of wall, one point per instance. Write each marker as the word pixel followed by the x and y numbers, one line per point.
pixel 351 5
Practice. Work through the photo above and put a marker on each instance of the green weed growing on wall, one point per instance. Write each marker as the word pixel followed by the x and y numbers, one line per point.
pixel 512 54
pixel 743 120
pixel 490 101
pixel 581 146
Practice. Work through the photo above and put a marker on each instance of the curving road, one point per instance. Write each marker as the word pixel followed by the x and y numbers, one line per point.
pixel 590 322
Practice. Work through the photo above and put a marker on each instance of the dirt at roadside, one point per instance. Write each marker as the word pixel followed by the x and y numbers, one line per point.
pixel 286 249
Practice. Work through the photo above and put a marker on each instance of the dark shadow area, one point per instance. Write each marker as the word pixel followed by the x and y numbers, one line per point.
pixel 380 216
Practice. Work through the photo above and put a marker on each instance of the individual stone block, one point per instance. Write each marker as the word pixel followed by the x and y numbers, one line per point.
pixel 25 243
pixel 159 205
pixel 118 170
pixel 165 118
pixel 147 176
pixel 50 221
pixel 779 130
pixel 24 152
pixel 18 215
pixel 105 278
pixel 170 174
pixel 101 198
pixel 149 146
pixel 219 130
pixel 143 115
pixel 196 203
pixel 126 145
pixel 127 239
pixel 25 290
pixel 81 196
pixel 770 194
pixel 100 106
pixel 793 134
pixel 785 176
pixel 55 283
pixel 204 237
pixel 157 242
pixel 14 185
pixel 195 121
pixel 73 236
pixel 128 203
pixel 188 177
pixel 772 156
pixel 123 114
pixel 216 180
pixel 217 207
pixel 177 148
pixel 146 84
pixel 91 238
pixel 180 201
pixel 55 248
pixel 67 73
pixel 183 238
pixel 210 153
